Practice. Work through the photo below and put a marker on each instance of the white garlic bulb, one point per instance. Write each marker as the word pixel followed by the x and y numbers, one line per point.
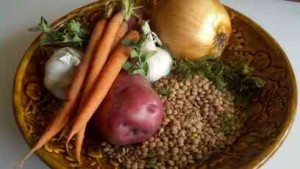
pixel 160 64
pixel 59 71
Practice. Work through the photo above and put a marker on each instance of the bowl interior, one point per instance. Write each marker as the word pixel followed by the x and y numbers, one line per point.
pixel 264 130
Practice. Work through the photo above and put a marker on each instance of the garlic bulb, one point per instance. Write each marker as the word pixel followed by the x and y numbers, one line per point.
pixel 159 64
pixel 59 71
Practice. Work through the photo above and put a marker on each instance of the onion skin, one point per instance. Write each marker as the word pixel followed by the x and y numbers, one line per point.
pixel 192 29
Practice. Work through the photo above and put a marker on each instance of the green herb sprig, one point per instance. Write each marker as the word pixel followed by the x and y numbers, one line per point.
pixel 138 64
pixel 226 122
pixel 72 33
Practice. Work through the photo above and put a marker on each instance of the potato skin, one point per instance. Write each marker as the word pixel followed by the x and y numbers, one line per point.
pixel 131 112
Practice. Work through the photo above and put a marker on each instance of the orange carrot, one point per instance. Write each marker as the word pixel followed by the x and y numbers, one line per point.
pixel 73 94
pixel 80 135
pixel 121 32
pixel 104 81
pixel 103 48
pixel 90 82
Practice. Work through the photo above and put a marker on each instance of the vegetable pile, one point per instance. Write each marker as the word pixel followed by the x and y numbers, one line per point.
pixel 103 60
pixel 199 120
pixel 122 77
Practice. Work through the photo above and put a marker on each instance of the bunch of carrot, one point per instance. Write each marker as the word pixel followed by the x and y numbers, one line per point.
pixel 103 60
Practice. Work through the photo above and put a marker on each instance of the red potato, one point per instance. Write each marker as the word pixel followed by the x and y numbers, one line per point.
pixel 131 112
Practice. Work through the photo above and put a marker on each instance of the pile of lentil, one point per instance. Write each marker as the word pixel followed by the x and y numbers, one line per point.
pixel 199 120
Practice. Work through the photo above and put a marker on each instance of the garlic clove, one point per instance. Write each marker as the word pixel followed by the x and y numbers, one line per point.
pixel 149 43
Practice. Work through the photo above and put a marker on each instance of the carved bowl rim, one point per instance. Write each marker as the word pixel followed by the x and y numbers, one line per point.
pixel 256 163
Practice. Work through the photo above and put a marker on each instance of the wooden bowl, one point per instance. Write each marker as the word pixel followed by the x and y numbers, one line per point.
pixel 264 131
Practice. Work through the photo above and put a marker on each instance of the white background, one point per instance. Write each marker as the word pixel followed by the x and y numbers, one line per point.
pixel 279 17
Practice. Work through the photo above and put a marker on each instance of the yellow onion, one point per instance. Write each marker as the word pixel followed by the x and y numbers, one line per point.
pixel 192 28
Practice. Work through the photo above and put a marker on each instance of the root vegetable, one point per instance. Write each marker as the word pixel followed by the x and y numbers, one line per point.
pixel 131 113
pixel 104 48
pixel 87 89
